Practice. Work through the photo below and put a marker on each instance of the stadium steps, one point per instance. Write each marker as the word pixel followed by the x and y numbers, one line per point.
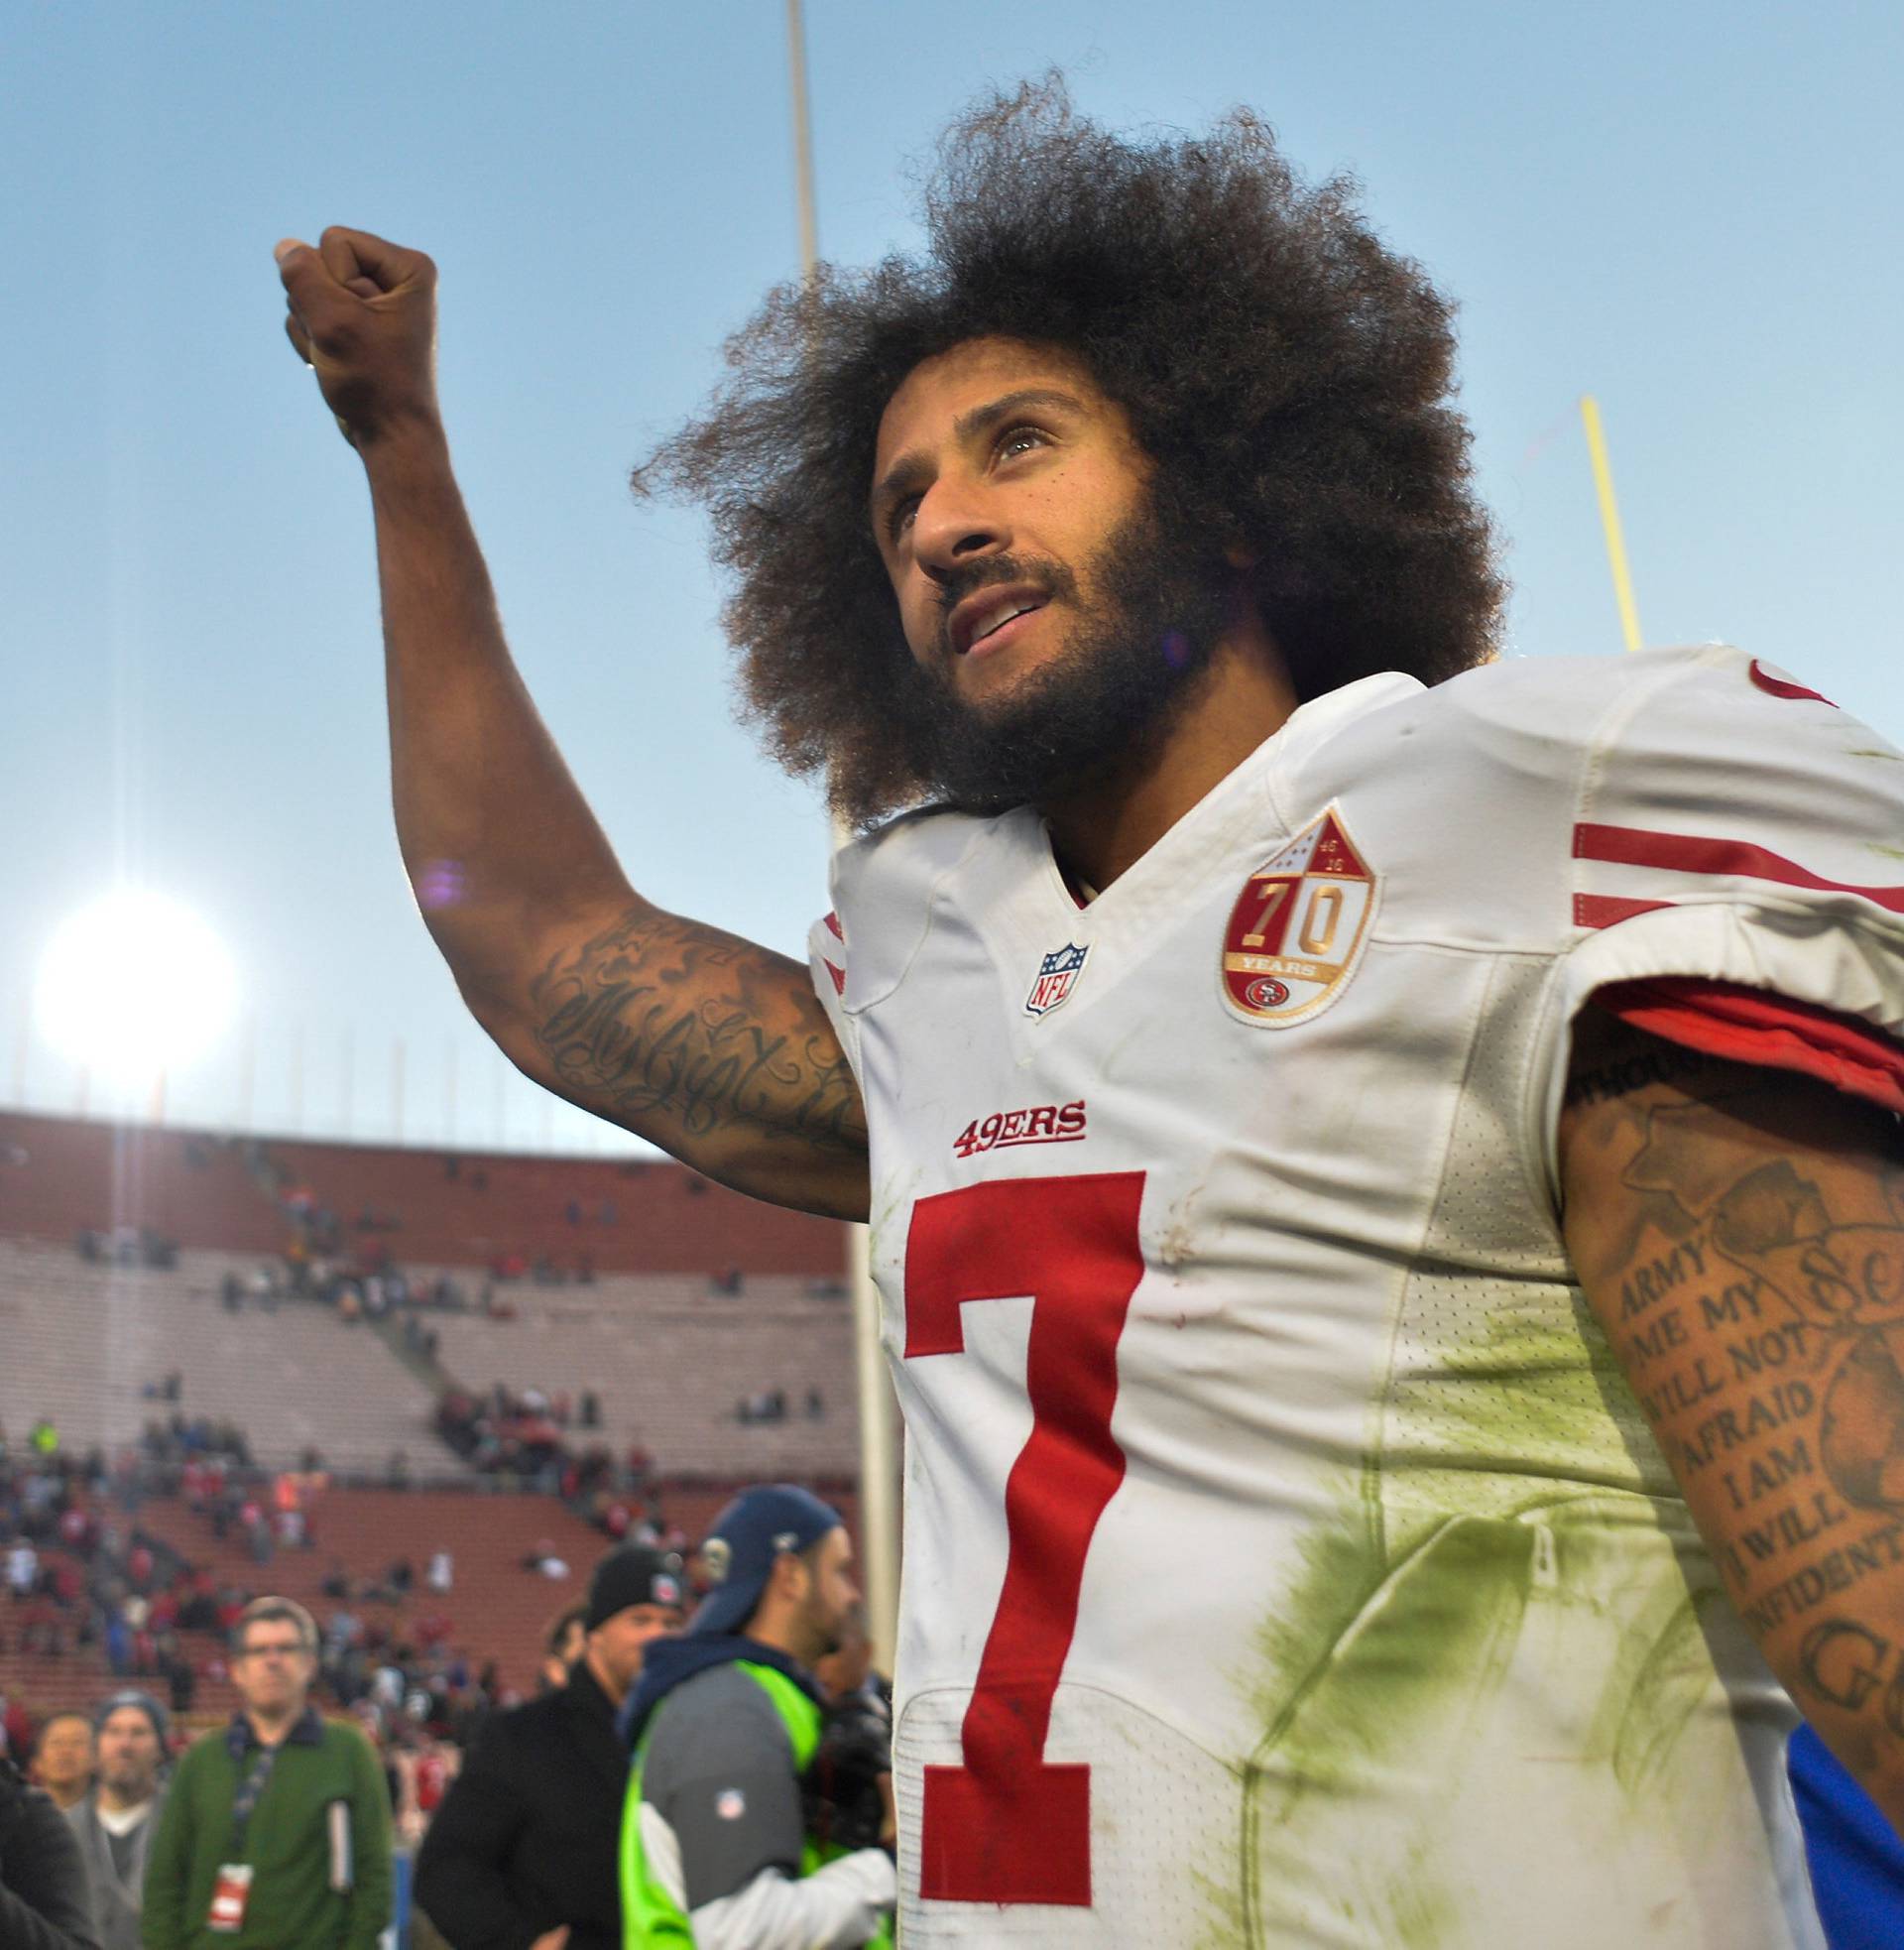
pixel 669 1362
pixel 83 1341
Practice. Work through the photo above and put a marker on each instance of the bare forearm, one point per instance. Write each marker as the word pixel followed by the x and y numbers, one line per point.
pixel 497 838
pixel 714 1049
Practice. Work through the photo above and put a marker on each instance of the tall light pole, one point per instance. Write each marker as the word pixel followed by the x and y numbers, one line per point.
pixel 1610 522
pixel 803 140
pixel 879 1419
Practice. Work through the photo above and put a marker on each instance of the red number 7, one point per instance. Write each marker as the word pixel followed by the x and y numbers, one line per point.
pixel 1007 1826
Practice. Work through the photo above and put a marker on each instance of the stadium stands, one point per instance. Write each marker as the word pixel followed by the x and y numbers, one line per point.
pixel 58 1175
pixel 83 1342
pixel 497 1609
pixel 671 1361
pixel 696 1300
pixel 668 1360
pixel 711 1332
pixel 495 1605
pixel 629 1215
pixel 463 1209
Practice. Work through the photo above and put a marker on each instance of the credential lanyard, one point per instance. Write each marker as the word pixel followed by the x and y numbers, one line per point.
pixel 246 1800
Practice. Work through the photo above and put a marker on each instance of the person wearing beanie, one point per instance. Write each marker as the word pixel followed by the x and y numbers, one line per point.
pixel 521 1854
pixel 116 1820
pixel 716 1849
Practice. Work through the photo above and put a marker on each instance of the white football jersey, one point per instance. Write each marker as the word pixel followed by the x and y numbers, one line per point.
pixel 1286 1560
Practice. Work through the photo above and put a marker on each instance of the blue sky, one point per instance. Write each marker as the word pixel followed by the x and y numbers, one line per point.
pixel 1690 211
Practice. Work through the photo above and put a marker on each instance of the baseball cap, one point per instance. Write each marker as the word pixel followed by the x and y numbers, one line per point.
pixel 761 1525
pixel 633 1575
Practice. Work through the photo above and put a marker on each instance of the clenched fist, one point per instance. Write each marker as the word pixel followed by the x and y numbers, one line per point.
pixel 363 317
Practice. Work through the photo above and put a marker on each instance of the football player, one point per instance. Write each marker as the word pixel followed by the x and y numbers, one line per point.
pixel 1381 1162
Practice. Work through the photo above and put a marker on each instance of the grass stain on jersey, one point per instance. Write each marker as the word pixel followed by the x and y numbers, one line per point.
pixel 1517 1540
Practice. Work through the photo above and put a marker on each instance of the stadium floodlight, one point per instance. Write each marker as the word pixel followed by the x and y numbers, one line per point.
pixel 134 987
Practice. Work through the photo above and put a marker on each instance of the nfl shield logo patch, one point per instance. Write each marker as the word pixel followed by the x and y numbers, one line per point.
pixel 1057 977
pixel 1298 928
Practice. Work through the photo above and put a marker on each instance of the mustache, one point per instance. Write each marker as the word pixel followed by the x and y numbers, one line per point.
pixel 1056 582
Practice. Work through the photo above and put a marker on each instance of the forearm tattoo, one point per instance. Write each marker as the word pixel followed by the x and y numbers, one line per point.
pixel 1758 1302
pixel 663 1019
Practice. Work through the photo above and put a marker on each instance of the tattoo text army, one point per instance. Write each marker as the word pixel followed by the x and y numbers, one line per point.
pixel 1766 1344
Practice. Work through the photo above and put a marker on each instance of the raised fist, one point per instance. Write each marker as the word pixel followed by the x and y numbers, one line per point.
pixel 363 317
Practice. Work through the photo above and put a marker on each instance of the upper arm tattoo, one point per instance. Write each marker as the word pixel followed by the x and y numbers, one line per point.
pixel 1743 1243
pixel 661 1020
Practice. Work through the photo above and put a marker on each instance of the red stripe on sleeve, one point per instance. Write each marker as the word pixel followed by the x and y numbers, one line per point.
pixel 1634 846
pixel 838 975
pixel 1783 686
pixel 1754 1025
pixel 1608 910
pixel 834 927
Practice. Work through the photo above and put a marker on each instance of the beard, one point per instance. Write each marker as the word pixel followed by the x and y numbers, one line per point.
pixel 1101 704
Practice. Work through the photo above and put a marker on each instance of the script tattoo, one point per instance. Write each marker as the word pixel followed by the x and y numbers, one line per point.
pixel 1755 1294
pixel 1659 1062
pixel 662 1019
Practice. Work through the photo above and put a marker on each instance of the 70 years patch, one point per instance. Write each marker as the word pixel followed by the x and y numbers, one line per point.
pixel 1298 928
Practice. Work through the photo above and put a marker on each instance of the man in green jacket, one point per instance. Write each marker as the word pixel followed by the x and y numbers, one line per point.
pixel 277 1830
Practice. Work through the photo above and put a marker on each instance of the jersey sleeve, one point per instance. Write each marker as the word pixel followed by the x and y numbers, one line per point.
pixel 882 888
pixel 1736 865
pixel 826 957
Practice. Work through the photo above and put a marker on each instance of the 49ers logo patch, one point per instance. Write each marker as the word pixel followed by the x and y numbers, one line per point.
pixel 1298 928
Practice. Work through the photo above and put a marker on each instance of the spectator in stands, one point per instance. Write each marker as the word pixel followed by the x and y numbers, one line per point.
pixel 429 1777
pixel 63 1759
pixel 717 1848
pixel 116 1822
pixel 182 1682
pixel 251 1848
pixel 523 1850
pixel 43 1900
pixel 441 1574
pixel 562 1646
pixel 23 1569
pixel 543 1562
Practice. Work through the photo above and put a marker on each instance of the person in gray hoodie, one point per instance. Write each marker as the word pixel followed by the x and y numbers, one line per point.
pixel 117 1818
